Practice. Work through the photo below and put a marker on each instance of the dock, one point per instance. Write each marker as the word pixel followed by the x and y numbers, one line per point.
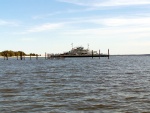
pixel 92 55
pixel 78 52
pixel 77 56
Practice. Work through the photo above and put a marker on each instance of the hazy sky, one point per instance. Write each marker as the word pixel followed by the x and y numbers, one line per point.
pixel 51 26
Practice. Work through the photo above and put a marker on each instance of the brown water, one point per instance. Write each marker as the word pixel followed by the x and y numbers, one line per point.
pixel 84 85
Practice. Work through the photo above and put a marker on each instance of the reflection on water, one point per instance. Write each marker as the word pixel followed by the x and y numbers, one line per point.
pixel 121 84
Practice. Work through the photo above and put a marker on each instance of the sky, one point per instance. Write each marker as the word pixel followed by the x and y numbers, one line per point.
pixel 52 26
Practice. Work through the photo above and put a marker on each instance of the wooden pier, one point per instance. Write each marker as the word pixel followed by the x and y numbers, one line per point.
pixel 77 56
pixel 60 56
pixel 57 56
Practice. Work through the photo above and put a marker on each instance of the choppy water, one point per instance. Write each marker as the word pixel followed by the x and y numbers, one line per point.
pixel 83 85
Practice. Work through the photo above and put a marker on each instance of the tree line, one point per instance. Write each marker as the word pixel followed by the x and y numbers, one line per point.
pixel 11 53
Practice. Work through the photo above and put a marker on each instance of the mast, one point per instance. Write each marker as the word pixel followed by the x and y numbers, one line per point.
pixel 72 46
pixel 88 47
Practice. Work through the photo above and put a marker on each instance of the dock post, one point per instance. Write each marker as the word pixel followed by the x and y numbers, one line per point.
pixel 48 56
pixel 45 55
pixel 30 56
pixel 99 54
pixel 6 56
pixel 92 54
pixel 36 56
pixel 21 56
pixel 17 57
pixel 108 53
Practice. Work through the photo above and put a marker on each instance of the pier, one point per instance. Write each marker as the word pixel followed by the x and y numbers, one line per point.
pixel 78 52
pixel 60 56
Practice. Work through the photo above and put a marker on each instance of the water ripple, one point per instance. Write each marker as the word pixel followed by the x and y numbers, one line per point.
pixel 121 84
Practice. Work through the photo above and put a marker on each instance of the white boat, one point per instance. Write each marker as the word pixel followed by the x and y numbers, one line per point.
pixel 80 51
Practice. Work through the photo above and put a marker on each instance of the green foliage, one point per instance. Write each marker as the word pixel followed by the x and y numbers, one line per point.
pixel 10 53
pixel 32 54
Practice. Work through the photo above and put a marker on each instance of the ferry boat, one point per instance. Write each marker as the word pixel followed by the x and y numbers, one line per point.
pixel 80 51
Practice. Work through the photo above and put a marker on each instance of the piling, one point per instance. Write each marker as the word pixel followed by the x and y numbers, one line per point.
pixel 92 54
pixel 36 56
pixel 17 57
pixel 6 56
pixel 45 55
pixel 108 53
pixel 21 56
pixel 99 54
pixel 48 56
pixel 30 56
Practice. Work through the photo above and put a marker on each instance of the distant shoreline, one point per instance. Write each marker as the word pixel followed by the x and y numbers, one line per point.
pixel 22 56
pixel 133 55
pixel 110 55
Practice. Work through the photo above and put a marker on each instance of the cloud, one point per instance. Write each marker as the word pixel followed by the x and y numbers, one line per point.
pixel 45 27
pixel 8 23
pixel 47 15
pixel 134 27
pixel 43 16
pixel 104 3
pixel 117 26
pixel 111 32
pixel 120 21
pixel 110 21
pixel 2 22
pixel 42 28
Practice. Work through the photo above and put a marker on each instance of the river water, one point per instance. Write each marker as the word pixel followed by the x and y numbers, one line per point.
pixel 75 85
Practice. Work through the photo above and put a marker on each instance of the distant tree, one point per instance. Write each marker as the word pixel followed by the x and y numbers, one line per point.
pixel 4 53
pixel 16 53
pixel 32 54
pixel 10 53
pixel 21 52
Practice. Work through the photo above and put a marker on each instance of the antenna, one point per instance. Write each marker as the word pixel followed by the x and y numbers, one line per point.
pixel 72 45
pixel 88 46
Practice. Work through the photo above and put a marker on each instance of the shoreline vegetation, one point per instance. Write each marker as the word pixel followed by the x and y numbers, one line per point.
pixel 11 53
